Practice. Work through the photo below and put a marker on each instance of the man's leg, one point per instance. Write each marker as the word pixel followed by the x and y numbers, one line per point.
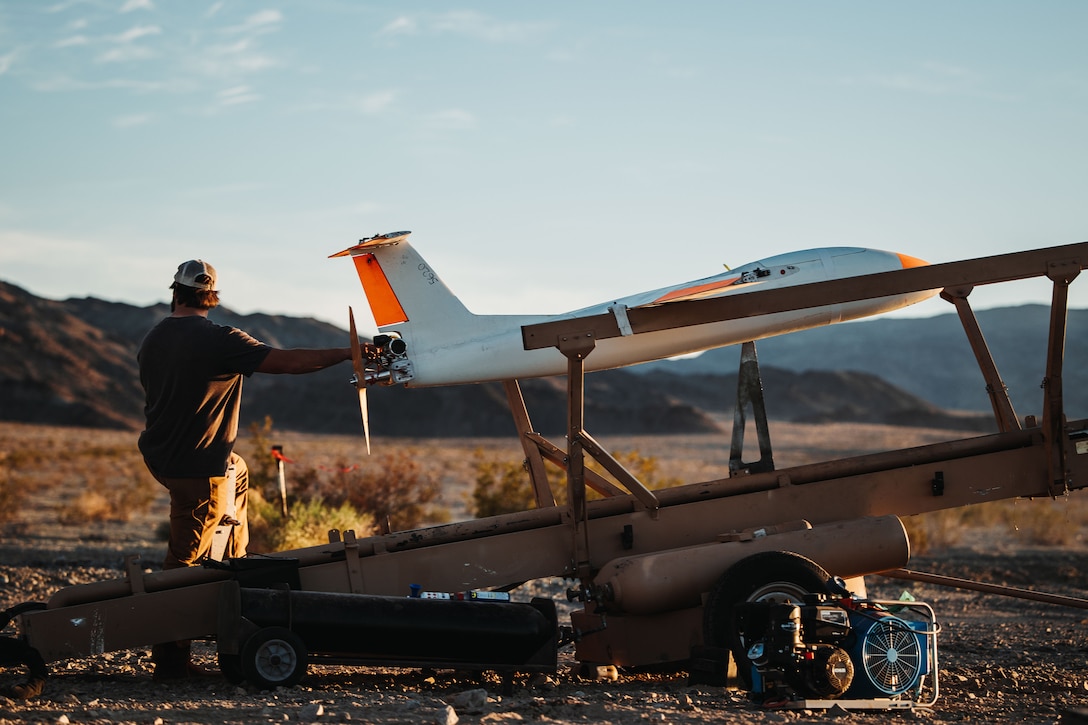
pixel 192 524
pixel 241 496
pixel 193 518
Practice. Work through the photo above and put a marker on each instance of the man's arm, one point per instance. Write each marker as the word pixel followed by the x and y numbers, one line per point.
pixel 303 360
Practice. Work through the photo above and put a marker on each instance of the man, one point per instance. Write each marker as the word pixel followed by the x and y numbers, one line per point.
pixel 191 370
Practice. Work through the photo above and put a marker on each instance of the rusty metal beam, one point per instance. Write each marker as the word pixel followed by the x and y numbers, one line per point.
pixel 534 462
pixel 995 386
pixel 551 452
pixel 576 347
pixel 1053 423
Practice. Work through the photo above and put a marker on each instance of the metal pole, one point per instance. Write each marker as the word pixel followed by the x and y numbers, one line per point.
pixel 1004 591
pixel 277 453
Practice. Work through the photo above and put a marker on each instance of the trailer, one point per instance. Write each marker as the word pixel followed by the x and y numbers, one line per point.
pixel 660 574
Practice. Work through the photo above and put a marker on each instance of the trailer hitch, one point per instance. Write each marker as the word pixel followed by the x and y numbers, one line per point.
pixel 15 652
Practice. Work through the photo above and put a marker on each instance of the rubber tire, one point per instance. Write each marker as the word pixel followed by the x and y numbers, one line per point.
pixel 274 657
pixel 769 575
pixel 231 667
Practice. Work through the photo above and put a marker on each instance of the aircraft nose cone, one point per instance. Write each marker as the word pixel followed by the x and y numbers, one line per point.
pixel 908 261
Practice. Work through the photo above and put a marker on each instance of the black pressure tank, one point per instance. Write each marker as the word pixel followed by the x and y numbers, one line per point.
pixel 370 627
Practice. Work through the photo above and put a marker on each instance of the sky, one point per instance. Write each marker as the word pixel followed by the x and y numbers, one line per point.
pixel 546 156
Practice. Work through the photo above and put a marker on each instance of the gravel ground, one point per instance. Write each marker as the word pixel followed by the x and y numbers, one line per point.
pixel 1001 659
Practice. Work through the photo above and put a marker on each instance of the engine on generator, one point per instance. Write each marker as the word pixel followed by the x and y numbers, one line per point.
pixel 838 648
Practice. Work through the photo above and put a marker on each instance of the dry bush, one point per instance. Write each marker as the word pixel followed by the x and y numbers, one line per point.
pixel 933 531
pixel 257 452
pixel 1035 522
pixel 109 499
pixel 394 489
pixel 1047 523
pixel 505 487
pixel 308 523
pixel 502 487
pixel 12 493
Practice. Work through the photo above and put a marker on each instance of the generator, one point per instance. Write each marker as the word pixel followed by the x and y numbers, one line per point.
pixel 838 650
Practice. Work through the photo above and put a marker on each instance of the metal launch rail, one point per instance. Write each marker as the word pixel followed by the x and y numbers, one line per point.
pixel 655 568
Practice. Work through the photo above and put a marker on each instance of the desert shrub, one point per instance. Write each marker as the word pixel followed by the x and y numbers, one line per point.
pixel 501 488
pixel 257 451
pixel 106 497
pixel 100 480
pixel 393 488
pixel 933 531
pixel 1045 523
pixel 505 487
pixel 309 523
pixel 1041 522
pixel 12 494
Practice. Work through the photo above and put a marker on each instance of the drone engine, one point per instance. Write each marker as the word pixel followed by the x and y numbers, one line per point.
pixel 387 361
pixel 837 648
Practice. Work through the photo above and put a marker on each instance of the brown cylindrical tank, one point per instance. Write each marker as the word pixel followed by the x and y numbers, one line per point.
pixel 677 578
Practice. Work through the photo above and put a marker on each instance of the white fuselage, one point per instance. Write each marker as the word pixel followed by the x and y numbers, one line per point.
pixel 447 344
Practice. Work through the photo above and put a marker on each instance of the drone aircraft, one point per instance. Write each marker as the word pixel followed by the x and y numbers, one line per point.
pixel 427 337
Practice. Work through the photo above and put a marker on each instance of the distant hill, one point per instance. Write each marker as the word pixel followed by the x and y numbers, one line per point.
pixel 72 362
pixel 928 357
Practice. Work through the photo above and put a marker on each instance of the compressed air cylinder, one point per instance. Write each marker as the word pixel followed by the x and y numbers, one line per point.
pixel 676 579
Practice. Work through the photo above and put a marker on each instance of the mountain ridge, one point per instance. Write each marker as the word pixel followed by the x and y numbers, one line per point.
pixel 72 362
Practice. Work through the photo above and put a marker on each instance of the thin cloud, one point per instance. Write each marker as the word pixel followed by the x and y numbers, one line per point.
pixel 262 22
pixel 140 31
pixel 131 5
pixel 63 83
pixel 234 59
pixel 241 187
pixel 400 26
pixel 72 42
pixel 132 120
pixel 61 7
pixel 375 103
pixel 6 62
pixel 237 95
pixel 467 23
pixel 452 118
pixel 126 54
pixel 933 79
pixel 477 25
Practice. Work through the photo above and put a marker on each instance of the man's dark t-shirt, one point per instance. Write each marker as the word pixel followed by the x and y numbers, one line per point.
pixel 191 370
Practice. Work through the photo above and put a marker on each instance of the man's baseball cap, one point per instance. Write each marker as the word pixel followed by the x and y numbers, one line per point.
pixel 196 273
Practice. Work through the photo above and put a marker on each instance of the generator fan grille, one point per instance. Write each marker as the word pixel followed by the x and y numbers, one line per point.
pixel 892 656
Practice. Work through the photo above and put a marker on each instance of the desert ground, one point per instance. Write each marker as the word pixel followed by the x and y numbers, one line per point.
pixel 77 501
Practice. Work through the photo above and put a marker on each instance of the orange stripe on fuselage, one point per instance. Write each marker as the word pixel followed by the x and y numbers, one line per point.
pixel 908 261
pixel 698 290
pixel 384 304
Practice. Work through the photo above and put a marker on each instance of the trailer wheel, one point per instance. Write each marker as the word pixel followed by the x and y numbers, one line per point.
pixel 770 576
pixel 274 657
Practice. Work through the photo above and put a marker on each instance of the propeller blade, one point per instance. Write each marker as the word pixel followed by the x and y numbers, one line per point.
pixel 366 417
pixel 360 378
